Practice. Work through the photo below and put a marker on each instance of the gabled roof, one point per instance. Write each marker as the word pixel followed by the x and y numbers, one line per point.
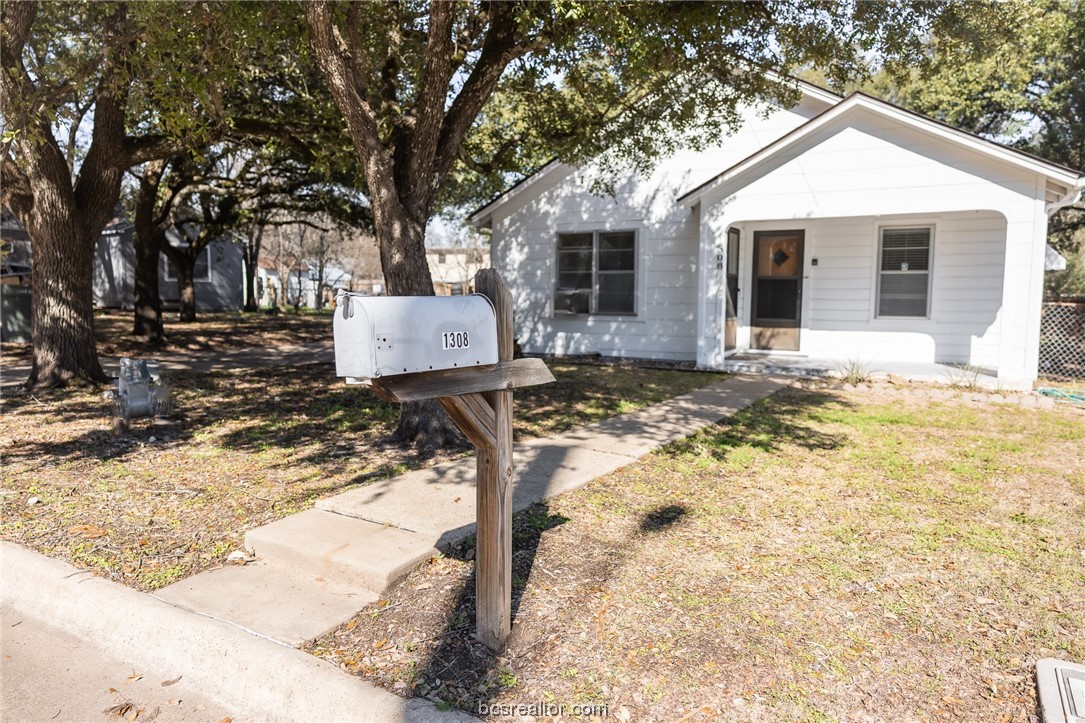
pixel 1069 178
pixel 479 216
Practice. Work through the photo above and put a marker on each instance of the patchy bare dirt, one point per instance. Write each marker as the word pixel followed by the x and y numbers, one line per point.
pixel 826 555
pixel 213 331
pixel 244 448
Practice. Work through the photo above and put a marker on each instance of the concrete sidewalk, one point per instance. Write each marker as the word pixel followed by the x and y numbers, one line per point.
pixel 224 668
pixel 234 630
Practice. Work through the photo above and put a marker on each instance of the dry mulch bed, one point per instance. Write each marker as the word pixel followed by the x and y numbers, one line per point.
pixel 824 555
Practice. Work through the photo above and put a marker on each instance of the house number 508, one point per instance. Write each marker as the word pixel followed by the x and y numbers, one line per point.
pixel 455 340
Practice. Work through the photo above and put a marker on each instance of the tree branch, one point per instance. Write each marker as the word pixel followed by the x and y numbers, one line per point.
pixel 429 108
pixel 329 51
pixel 360 119
pixel 103 168
pixel 73 130
pixel 498 50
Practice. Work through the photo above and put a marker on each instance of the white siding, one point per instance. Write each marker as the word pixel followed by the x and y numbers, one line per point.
pixel 666 324
pixel 839 317
pixel 840 185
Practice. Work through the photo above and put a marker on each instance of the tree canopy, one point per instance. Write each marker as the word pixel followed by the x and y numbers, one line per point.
pixel 91 89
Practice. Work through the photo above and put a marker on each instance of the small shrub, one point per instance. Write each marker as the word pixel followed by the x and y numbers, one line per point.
pixel 854 371
pixel 964 376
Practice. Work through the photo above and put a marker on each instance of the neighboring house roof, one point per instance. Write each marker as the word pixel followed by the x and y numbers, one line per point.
pixel 479 216
pixel 117 225
pixel 476 253
pixel 1068 181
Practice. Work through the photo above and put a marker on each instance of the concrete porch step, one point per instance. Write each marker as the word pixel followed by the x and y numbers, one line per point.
pixel 313 571
pixel 283 605
pixel 340 549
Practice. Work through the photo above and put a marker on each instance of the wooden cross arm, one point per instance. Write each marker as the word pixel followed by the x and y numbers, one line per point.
pixel 468 380
pixel 475 418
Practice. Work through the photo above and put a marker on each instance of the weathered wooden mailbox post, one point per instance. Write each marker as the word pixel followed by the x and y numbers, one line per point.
pixel 457 350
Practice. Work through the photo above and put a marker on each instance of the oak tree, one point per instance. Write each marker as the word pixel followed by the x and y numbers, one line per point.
pixel 430 91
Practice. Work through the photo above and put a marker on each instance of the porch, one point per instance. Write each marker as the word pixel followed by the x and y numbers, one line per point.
pixel 798 365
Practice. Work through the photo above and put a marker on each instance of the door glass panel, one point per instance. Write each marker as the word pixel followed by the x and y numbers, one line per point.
pixel 732 253
pixel 732 273
pixel 778 256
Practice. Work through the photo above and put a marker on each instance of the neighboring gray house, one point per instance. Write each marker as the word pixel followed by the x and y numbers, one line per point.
pixel 219 275
pixel 114 262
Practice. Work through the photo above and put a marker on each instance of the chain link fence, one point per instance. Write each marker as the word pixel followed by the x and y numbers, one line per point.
pixel 1062 340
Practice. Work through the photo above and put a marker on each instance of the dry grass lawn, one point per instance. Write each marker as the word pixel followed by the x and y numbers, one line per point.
pixel 244 448
pixel 825 555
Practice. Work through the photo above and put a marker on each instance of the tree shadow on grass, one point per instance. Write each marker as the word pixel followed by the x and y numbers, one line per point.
pixel 258 411
pixel 462 671
pixel 782 418
pixel 663 518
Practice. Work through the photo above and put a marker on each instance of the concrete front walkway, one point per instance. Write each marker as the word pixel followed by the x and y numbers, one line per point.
pixel 235 629
pixel 315 569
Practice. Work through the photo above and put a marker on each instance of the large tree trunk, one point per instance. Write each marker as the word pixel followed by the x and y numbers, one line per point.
pixel 251 251
pixel 403 176
pixel 186 290
pixel 63 219
pixel 148 300
pixel 423 425
pixel 62 312
pixel 149 237
pixel 184 263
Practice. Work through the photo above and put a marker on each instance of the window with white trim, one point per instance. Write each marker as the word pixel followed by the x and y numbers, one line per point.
pixel 904 271
pixel 596 273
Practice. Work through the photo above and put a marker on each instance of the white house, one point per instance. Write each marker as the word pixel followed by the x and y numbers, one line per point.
pixel 841 229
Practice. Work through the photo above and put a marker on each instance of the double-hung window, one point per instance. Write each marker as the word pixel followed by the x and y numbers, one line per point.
pixel 596 273
pixel 904 271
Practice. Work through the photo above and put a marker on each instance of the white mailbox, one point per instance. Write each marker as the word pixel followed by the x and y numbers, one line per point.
pixel 378 336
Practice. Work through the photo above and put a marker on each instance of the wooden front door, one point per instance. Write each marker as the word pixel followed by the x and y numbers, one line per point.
pixel 775 311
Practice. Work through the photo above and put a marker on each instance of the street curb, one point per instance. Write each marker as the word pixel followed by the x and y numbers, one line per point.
pixel 254 676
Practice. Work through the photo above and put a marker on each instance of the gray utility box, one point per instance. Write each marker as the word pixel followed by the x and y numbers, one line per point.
pixel 378 336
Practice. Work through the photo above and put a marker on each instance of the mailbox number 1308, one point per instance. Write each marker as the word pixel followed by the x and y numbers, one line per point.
pixel 455 340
